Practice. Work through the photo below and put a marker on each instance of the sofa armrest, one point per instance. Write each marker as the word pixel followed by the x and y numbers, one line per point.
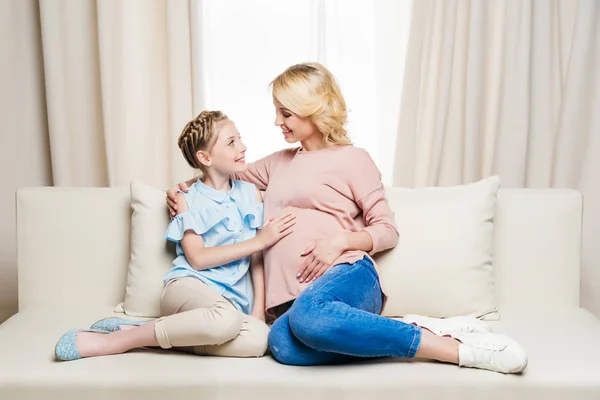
pixel 72 246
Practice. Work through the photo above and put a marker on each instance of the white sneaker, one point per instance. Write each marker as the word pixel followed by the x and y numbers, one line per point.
pixel 448 326
pixel 490 351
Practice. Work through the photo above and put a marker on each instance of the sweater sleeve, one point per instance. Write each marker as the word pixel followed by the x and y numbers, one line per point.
pixel 260 171
pixel 369 194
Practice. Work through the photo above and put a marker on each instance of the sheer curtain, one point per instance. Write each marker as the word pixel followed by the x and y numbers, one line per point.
pixel 509 88
pixel 121 79
pixel 246 44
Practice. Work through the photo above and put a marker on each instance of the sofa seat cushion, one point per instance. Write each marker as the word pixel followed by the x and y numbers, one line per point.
pixel 564 362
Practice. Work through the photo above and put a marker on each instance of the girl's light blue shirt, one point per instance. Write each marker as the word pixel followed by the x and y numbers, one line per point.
pixel 221 218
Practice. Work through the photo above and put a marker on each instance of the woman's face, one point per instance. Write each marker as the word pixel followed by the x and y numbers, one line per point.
pixel 294 128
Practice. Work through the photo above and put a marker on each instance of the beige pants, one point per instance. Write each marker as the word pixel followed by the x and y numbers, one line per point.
pixel 198 320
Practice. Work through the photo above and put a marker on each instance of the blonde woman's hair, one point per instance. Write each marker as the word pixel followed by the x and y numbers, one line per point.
pixel 200 134
pixel 310 90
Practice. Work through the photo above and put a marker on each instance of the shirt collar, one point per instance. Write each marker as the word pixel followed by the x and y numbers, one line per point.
pixel 214 194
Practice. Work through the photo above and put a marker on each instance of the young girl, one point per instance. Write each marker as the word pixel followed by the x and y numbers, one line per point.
pixel 322 283
pixel 214 297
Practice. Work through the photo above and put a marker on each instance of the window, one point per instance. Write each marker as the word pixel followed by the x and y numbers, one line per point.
pixel 246 44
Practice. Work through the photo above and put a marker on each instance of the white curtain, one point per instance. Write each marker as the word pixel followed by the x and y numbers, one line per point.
pixel 122 78
pixel 511 88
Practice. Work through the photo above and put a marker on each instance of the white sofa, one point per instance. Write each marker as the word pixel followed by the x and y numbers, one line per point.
pixel 73 252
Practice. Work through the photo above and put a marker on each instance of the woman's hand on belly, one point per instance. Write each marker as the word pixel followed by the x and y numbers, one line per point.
pixel 319 257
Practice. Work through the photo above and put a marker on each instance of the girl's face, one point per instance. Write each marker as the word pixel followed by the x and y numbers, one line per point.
pixel 228 155
pixel 294 128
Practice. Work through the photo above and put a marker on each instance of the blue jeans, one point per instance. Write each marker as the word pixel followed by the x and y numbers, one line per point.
pixel 336 320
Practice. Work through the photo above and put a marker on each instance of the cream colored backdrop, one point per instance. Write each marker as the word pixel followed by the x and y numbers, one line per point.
pixel 507 87
pixel 119 81
pixel 93 94
pixel 24 151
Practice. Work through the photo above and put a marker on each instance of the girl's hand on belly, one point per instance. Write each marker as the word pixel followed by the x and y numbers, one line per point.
pixel 319 257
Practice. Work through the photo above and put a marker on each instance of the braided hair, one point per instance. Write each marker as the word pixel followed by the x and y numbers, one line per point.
pixel 200 134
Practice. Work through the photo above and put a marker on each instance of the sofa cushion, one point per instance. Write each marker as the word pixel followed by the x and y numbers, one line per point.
pixel 455 279
pixel 151 254
pixel 442 265
pixel 564 360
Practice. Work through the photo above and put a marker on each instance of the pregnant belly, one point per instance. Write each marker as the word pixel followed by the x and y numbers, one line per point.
pixel 285 255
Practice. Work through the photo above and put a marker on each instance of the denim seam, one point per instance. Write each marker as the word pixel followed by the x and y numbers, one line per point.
pixel 372 268
pixel 379 304
pixel 416 340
